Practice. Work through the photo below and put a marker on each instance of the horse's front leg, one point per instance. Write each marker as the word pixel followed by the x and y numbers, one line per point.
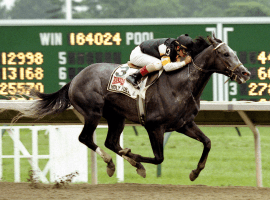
pixel 116 125
pixel 156 137
pixel 192 130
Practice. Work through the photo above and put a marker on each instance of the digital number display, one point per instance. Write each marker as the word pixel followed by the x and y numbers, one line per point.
pixel 259 85
pixel 14 88
pixel 28 58
pixel 262 57
pixel 28 73
pixel 106 39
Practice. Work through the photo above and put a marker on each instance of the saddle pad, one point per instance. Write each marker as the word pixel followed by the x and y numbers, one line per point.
pixel 119 84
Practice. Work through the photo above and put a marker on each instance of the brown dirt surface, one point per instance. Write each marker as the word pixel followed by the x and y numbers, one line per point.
pixel 125 191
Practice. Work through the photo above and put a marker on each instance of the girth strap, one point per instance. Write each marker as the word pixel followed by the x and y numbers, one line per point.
pixel 141 109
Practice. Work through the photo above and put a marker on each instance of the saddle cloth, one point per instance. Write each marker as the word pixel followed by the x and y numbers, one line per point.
pixel 119 84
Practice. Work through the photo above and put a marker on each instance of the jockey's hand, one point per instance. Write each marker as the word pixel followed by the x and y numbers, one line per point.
pixel 188 59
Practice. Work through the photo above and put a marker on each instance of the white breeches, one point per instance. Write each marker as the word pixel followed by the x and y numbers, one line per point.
pixel 137 57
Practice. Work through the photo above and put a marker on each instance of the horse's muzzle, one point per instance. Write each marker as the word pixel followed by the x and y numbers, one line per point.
pixel 241 77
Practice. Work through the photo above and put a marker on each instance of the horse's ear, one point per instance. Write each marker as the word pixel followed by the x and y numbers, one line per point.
pixel 216 39
pixel 214 36
pixel 212 40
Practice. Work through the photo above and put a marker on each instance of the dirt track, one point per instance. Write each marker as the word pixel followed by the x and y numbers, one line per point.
pixel 129 191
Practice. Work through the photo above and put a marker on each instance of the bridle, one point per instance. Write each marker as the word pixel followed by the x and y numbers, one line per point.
pixel 230 72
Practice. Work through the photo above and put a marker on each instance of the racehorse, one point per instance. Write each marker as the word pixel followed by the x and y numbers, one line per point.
pixel 172 103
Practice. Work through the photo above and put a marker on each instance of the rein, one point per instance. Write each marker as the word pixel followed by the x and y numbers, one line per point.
pixel 231 71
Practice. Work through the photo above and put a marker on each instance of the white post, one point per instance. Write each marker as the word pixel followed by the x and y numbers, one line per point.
pixel 17 176
pixel 120 162
pixel 68 9
pixel 1 153
pixel 34 152
pixel 257 147
pixel 257 142
pixel 94 163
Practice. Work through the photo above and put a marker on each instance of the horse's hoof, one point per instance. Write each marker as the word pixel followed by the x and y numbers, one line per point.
pixel 110 172
pixel 124 151
pixel 141 172
pixel 110 168
pixel 193 175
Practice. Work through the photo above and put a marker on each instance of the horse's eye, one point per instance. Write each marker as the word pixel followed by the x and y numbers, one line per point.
pixel 226 54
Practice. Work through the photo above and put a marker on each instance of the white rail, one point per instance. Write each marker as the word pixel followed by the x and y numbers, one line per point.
pixel 14 133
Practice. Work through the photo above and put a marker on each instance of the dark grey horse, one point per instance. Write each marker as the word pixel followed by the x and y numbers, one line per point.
pixel 172 103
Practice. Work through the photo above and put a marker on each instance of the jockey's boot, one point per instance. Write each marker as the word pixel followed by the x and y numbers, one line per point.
pixel 134 78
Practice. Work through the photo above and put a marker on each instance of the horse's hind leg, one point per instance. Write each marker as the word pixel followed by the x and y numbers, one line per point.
pixel 191 130
pixel 86 137
pixel 115 128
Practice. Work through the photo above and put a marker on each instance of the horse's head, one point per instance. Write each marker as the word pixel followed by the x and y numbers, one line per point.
pixel 227 62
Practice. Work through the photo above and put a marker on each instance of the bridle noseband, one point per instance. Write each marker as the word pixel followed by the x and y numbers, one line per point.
pixel 230 72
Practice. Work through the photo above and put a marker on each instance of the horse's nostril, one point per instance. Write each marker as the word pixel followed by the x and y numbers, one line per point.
pixel 246 74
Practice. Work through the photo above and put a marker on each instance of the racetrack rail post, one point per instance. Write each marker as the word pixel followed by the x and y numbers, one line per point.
pixel 257 146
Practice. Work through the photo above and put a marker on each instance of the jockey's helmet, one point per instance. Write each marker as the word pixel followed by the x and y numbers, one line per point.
pixel 185 43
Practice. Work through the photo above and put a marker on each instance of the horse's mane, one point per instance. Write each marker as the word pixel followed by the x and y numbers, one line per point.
pixel 200 43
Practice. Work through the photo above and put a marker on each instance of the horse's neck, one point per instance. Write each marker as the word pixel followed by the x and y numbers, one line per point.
pixel 197 78
pixel 190 79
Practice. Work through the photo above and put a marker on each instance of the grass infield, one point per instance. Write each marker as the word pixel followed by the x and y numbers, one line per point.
pixel 231 161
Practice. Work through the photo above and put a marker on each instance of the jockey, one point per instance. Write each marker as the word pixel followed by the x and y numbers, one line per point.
pixel 152 55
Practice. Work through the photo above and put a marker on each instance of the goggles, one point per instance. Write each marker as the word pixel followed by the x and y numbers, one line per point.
pixel 183 51
pixel 183 48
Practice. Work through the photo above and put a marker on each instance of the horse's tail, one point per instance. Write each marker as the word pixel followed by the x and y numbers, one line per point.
pixel 47 104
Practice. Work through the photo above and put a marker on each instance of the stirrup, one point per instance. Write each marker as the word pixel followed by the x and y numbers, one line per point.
pixel 133 83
